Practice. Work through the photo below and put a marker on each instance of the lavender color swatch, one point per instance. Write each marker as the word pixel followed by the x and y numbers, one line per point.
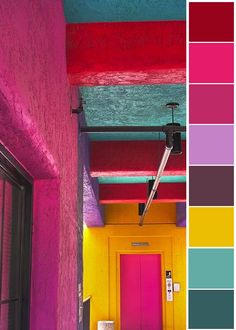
pixel 211 144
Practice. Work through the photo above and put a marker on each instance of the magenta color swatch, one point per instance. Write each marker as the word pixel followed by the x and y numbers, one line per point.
pixel 211 144
pixel 211 104
pixel 211 63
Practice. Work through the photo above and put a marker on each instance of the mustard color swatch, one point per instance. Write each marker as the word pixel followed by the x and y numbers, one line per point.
pixel 211 226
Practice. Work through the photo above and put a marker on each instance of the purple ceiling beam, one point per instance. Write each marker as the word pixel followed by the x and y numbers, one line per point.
pixel 181 214
pixel 92 210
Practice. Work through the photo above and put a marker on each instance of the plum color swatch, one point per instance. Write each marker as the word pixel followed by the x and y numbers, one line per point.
pixel 211 268
pixel 211 144
pixel 211 104
pixel 211 309
pixel 211 186
pixel 211 63
pixel 211 21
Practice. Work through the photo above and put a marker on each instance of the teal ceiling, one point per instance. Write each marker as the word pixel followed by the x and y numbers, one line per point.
pixel 139 179
pixel 130 105
pixel 137 105
pixel 78 11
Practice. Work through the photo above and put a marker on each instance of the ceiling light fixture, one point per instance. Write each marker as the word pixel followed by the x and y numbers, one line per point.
pixel 177 149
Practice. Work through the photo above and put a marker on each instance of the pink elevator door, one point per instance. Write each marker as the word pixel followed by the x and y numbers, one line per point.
pixel 140 292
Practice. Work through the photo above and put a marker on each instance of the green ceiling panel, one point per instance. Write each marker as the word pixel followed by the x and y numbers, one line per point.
pixel 123 10
pixel 137 105
pixel 140 179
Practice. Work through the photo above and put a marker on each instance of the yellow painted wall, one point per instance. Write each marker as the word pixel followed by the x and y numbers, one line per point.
pixel 102 247
pixel 128 213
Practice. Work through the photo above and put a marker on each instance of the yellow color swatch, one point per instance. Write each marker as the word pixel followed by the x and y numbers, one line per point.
pixel 211 226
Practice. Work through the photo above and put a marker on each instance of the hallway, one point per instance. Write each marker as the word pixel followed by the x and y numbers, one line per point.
pixel 84 126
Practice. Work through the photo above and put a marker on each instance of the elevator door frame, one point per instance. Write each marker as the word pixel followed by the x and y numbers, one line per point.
pixel 162 293
pixel 157 246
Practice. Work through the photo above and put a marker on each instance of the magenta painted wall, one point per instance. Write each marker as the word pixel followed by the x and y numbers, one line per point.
pixel 37 128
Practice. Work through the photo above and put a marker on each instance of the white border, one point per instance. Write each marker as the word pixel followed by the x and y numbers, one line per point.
pixel 187 162
pixel 187 156
pixel 234 162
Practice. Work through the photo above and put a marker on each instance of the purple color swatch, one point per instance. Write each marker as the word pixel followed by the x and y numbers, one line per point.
pixel 211 144
pixel 211 63
pixel 211 104
pixel 211 185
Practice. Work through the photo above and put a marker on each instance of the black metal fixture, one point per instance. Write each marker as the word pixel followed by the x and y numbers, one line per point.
pixel 150 187
pixel 141 207
pixel 177 148
pixel 173 146
pixel 132 129
pixel 165 157
pixel 80 107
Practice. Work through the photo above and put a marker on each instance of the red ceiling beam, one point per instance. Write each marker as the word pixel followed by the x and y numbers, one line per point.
pixel 126 53
pixel 133 158
pixel 138 193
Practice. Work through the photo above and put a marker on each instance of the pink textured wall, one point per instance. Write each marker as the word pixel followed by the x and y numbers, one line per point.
pixel 37 128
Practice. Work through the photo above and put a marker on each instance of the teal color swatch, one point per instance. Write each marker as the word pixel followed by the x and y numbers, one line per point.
pixel 211 309
pixel 211 268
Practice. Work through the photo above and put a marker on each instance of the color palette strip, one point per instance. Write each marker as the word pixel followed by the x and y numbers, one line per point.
pixel 211 165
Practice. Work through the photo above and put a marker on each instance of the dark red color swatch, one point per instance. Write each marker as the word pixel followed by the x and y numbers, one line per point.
pixel 211 21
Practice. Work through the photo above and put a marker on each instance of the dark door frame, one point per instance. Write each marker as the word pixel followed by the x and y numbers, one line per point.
pixel 13 172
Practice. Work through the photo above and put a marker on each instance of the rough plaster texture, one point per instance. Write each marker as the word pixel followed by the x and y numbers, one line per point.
pixel 139 158
pixel 142 105
pixel 124 11
pixel 92 211
pixel 37 128
pixel 138 193
pixel 126 53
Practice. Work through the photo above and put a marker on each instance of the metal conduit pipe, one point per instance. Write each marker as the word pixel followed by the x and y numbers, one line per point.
pixel 165 157
pixel 132 129
pixel 164 160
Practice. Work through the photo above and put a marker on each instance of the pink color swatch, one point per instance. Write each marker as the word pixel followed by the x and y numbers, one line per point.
pixel 211 104
pixel 211 63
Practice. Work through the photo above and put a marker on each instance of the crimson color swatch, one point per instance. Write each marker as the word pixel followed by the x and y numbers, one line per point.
pixel 211 21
